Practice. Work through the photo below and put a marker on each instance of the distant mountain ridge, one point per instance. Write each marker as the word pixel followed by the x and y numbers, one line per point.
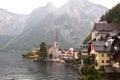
pixel 73 21
pixel 11 24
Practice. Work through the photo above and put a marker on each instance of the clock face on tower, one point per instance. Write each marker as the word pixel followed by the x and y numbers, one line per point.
pixel 57 45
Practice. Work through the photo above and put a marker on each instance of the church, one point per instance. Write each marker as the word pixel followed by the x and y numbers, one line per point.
pixel 54 50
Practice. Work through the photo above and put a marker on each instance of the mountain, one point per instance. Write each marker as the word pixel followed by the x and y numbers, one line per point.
pixel 11 24
pixel 73 21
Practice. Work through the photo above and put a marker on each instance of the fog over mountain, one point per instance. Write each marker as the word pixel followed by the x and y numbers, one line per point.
pixel 73 22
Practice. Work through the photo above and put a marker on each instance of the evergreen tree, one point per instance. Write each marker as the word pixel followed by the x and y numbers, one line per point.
pixel 43 50
pixel 92 73
pixel 87 39
pixel 113 15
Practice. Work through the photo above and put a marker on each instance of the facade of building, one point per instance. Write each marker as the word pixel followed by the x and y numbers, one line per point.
pixel 102 29
pixel 54 50
pixel 100 54
pixel 105 43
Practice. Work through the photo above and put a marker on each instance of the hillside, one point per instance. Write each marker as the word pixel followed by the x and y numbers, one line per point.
pixel 73 21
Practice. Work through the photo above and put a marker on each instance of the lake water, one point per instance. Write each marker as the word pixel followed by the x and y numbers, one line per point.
pixel 14 67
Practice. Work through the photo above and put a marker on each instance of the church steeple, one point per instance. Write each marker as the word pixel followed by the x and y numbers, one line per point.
pixel 56 38
pixel 56 42
pixel 56 46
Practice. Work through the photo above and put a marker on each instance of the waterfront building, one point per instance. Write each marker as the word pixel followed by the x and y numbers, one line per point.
pixel 105 44
pixel 100 54
pixel 102 29
pixel 36 52
pixel 55 50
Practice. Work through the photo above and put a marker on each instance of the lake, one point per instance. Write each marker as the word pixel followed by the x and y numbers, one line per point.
pixel 14 67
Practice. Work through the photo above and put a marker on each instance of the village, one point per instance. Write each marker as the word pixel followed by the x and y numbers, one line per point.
pixel 103 50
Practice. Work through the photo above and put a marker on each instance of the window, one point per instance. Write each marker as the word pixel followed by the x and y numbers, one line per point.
pixel 107 55
pixel 102 61
pixel 95 55
pixel 107 61
pixel 102 55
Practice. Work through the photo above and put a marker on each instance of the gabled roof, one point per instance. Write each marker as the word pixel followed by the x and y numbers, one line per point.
pixel 106 27
pixel 111 34
pixel 84 50
pixel 100 46
pixel 100 43
pixel 77 49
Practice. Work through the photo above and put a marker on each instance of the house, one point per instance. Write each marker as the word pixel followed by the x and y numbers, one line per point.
pixel 69 53
pixel 105 43
pixel 102 29
pixel 105 53
pixel 76 53
pixel 36 52
pixel 63 55
pixel 111 73
pixel 100 53
pixel 115 59
pixel 84 51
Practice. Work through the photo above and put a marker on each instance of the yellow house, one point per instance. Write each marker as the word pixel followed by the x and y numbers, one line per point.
pixel 100 53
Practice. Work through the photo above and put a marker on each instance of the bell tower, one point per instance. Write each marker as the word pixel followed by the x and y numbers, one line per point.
pixel 56 46
pixel 56 42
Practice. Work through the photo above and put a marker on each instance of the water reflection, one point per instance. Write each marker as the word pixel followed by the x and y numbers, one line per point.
pixel 13 67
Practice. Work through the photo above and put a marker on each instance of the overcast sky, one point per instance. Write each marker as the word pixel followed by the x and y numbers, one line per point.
pixel 26 6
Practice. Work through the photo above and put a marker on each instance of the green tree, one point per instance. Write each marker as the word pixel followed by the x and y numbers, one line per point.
pixel 92 73
pixel 43 50
pixel 88 38
pixel 27 54
pixel 91 70
pixel 85 59
pixel 113 15
pixel 90 77
pixel 50 55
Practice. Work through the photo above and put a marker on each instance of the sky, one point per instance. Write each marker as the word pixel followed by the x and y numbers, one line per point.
pixel 26 6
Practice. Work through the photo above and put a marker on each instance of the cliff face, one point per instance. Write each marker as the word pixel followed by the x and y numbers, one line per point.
pixel 11 24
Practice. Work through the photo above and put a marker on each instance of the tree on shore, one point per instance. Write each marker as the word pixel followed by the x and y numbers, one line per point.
pixel 87 39
pixel 43 50
pixel 50 55
pixel 92 73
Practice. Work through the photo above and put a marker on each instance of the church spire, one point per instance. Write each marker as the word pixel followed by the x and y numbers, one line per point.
pixel 56 38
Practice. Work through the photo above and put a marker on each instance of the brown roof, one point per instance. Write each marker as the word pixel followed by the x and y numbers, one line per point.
pixel 106 27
